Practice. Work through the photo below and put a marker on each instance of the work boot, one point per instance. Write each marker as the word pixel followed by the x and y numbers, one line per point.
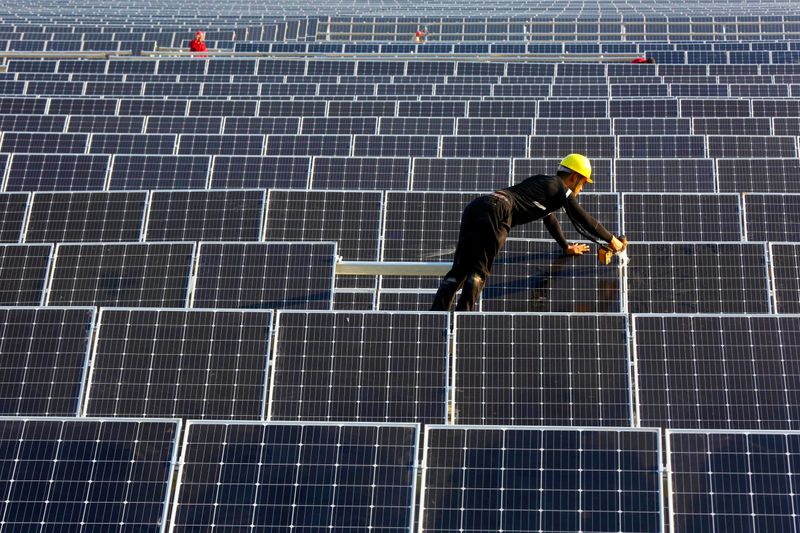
pixel 470 293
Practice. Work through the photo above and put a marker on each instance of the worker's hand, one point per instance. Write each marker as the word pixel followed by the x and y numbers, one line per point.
pixel 616 244
pixel 577 249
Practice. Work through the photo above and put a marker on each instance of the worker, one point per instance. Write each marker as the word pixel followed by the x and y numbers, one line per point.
pixel 198 44
pixel 638 60
pixel 487 220
pixel 420 36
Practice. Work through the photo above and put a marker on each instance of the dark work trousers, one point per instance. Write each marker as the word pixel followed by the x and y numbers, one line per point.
pixel 485 224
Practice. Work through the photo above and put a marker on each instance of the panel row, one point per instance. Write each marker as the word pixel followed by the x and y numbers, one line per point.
pixel 513 106
pixel 367 224
pixel 501 368
pixel 364 125
pixel 101 172
pixel 530 275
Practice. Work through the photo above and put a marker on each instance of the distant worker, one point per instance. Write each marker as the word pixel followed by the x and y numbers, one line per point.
pixel 420 36
pixel 650 60
pixel 487 220
pixel 198 44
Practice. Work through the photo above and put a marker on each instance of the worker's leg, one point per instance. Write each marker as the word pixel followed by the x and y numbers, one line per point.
pixel 492 238
pixel 447 290
pixel 471 292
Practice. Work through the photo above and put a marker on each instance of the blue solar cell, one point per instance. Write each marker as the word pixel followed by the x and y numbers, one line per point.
pixel 154 88
pixel 362 173
pixel 172 124
pixel 490 146
pixel 23 273
pixel 396 146
pixel 308 145
pixel 244 172
pixel 113 143
pixel 52 172
pixel 661 146
pixel 306 108
pixel 41 123
pixel 152 107
pixel 83 106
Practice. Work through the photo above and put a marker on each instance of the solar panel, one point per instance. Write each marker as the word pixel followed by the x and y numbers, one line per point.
pixel 297 145
pixel 199 144
pixel 771 217
pixel 662 146
pixel 733 481
pixel 653 108
pixel 786 126
pixel 195 364
pixel 698 278
pixel 267 66
pixel 244 172
pixel 105 87
pixel 664 175
pixel 113 143
pixel 354 300
pixel 289 89
pixel 698 90
pixel 340 125
pixel 13 207
pixel 361 109
pixel 232 66
pixel 348 366
pixel 49 123
pixel 751 146
pixel 492 478
pixel 151 107
pixel 565 89
pixel 541 369
pixel 68 473
pixel 485 146
pixel 715 108
pixel 589 126
pixel 105 124
pixel 430 68
pixel 134 172
pixel 723 126
pixel 640 90
pixel 33 142
pixel 432 109
pixel 23 273
pixel 21 105
pixel 592 146
pixel 181 66
pixel 759 175
pixel 303 108
pixel 273 275
pixel 395 146
pixel 407 125
pixel 540 90
pixel 170 124
pixel 82 65
pixel 81 106
pixel 86 216
pixel 371 68
pixel 351 218
pixel 652 126
pixel 216 215
pixel 171 88
pixel 223 108
pixel 776 108
pixel 535 276
pixel 132 274
pixel 716 372
pixel 297 476
pixel 502 109
pixel 459 174
pixel 785 264
pixel 45 352
pixel 682 217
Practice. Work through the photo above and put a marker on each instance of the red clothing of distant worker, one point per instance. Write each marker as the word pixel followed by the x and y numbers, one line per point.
pixel 639 60
pixel 198 44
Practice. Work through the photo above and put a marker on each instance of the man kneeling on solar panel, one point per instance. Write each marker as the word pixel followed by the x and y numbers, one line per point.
pixel 487 220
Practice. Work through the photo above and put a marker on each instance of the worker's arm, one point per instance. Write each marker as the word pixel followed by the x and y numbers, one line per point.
pixel 580 217
pixel 552 225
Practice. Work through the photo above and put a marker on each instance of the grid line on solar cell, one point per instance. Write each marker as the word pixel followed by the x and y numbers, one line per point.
pixel 263 172
pixel 100 474
pixel 45 353
pixel 492 478
pixel 370 366
pixel 13 215
pixel 304 476
pixel 785 265
pixel 213 215
pixel 23 273
pixel 86 216
pixel 772 217
pixel 118 274
pixel 682 217
pixel 269 275
pixel 536 276
pixel 716 371
pixel 668 175
pixel 141 171
pixel 733 480
pixel 180 363
pixel 360 173
pixel 541 369
pixel 698 277
pixel 351 218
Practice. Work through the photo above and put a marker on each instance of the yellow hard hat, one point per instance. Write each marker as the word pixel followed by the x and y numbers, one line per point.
pixel 580 164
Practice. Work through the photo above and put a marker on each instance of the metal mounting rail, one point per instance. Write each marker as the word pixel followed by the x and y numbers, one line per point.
pixel 390 268
pixel 64 55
